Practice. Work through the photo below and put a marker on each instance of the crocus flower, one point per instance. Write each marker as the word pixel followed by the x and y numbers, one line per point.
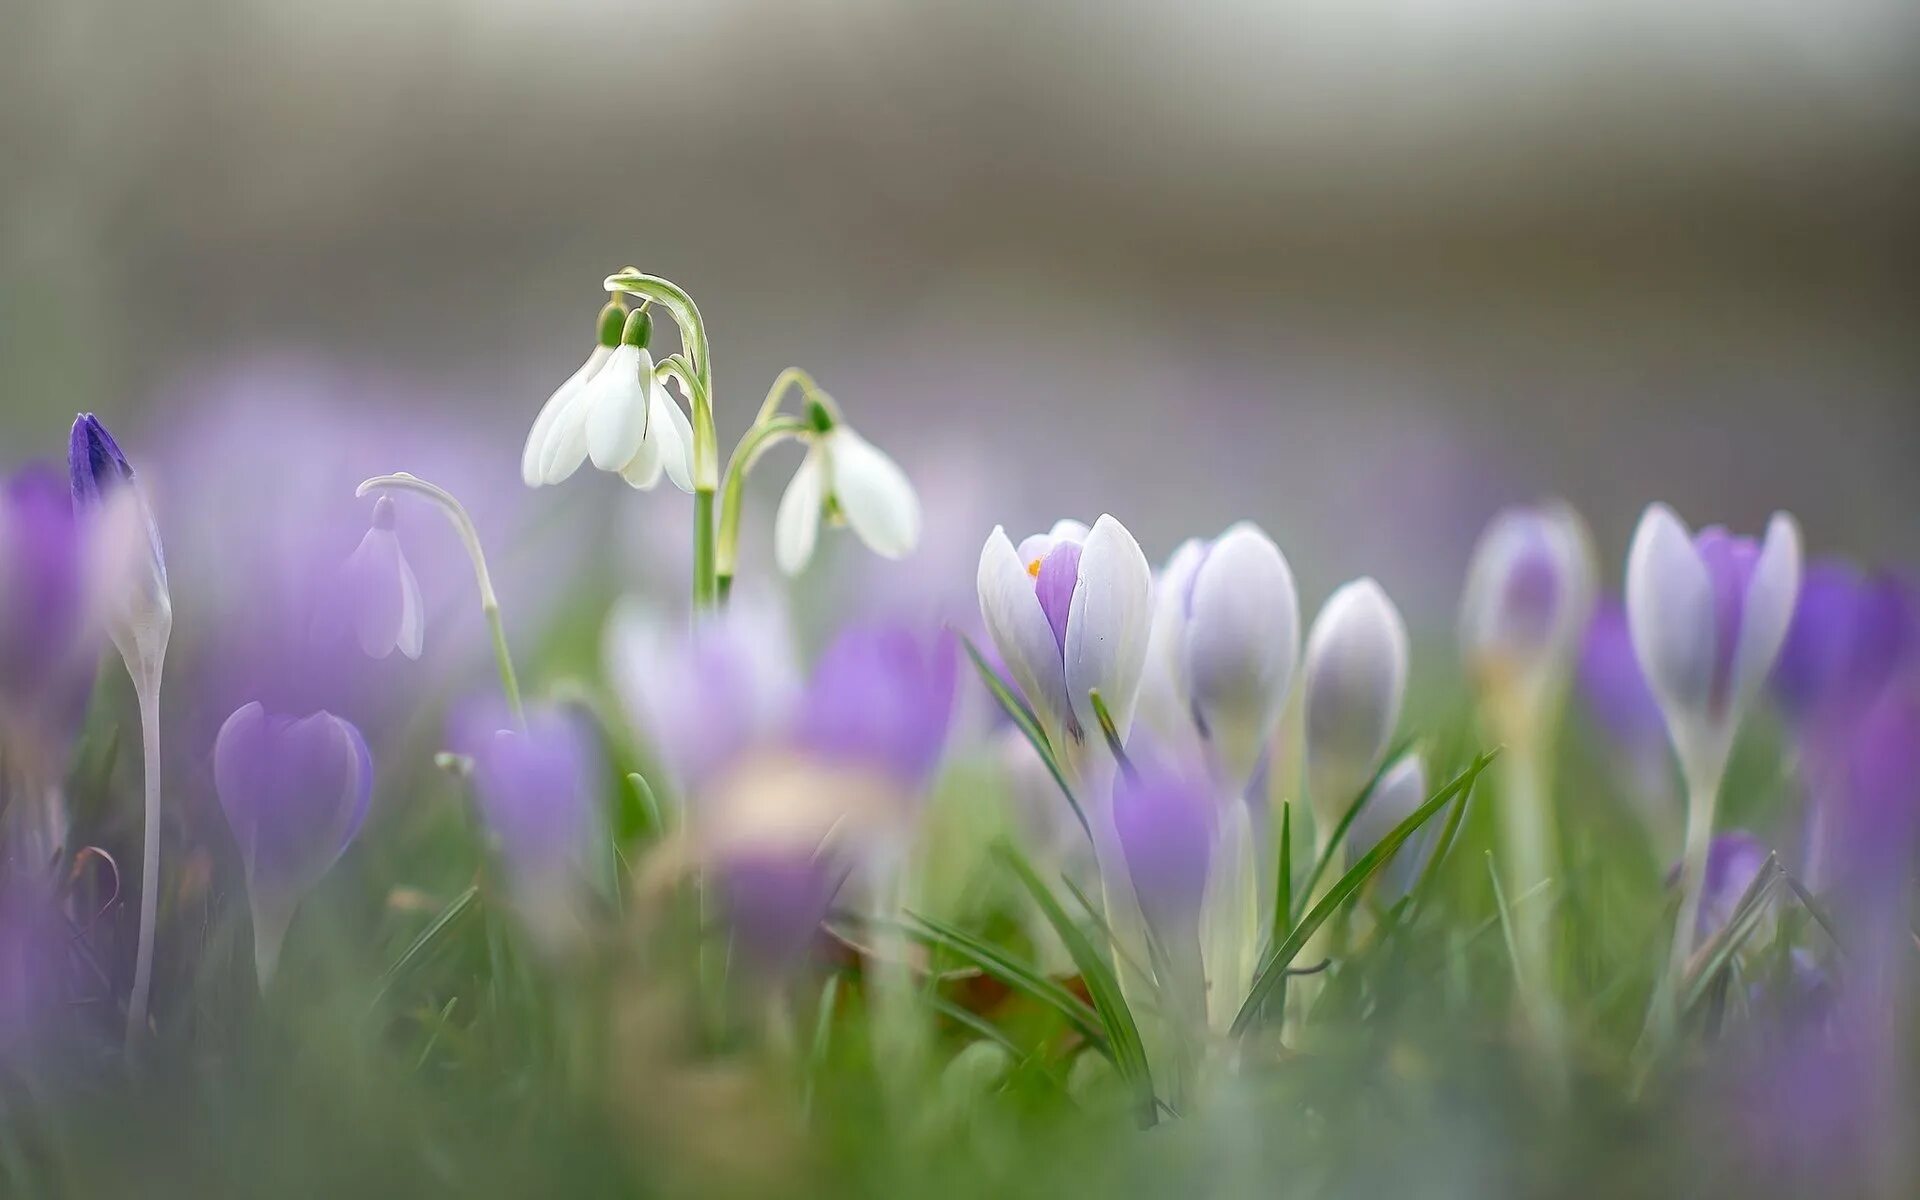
pixel 1851 634
pixel 382 591
pixel 882 696
pixel 1070 612
pixel 1734 860
pixel 1708 614
pixel 1356 680
pixel 774 899
pixel 1166 824
pixel 703 696
pixel 538 796
pixel 557 443
pixel 623 417
pixel 1402 790
pixel 1226 632
pixel 844 476
pixel 104 489
pixel 295 791
pixel 1529 594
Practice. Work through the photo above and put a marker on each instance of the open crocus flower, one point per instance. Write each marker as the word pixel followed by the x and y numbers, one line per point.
pixel 1356 680
pixel 295 791
pixel 1528 597
pixel 382 592
pixel 1070 612
pixel 620 417
pixel 1708 614
pixel 557 443
pixel 846 477
pixel 1226 639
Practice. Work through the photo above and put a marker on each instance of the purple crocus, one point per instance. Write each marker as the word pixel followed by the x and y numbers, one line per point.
pixel 104 487
pixel 1166 823
pixel 295 791
pixel 381 591
pixel 46 625
pixel 1851 634
pixel 773 901
pixel 1734 861
pixel 881 696
pixel 538 795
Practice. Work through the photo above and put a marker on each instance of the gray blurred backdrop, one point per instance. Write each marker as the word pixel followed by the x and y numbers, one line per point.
pixel 1360 270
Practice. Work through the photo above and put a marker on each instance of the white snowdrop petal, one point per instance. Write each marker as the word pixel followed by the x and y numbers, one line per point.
pixel 669 424
pixel 1019 629
pixel 1670 613
pixel 535 459
pixel 413 621
pixel 796 525
pixel 642 471
pixel 616 409
pixel 874 494
pixel 1108 624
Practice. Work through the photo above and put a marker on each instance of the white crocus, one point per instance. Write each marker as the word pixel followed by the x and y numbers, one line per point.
pixel 1070 612
pixel 845 476
pixel 619 416
pixel 1238 644
pixel 1528 598
pixel 1707 614
pixel 1356 680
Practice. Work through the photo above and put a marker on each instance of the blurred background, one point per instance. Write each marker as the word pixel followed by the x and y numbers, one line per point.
pixel 1360 270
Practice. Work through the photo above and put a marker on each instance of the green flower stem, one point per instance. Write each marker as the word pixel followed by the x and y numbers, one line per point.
pixel 769 432
pixel 470 538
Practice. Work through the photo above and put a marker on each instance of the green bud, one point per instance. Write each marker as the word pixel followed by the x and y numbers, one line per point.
pixel 819 417
pixel 639 330
pixel 613 318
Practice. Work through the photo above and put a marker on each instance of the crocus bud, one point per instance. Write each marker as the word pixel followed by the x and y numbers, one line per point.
pixel 847 476
pixel 1166 826
pixel 295 791
pixel 1401 791
pixel 1356 680
pixel 1070 612
pixel 538 797
pixel 1708 614
pixel 382 592
pixel 139 613
pixel 1529 595
pixel 1238 640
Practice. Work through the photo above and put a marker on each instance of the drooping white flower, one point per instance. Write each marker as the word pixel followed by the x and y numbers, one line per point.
pixel 846 477
pixel 1708 613
pixel 1356 680
pixel 616 413
pixel 1528 598
pixel 381 591
pixel 1226 639
pixel 1070 612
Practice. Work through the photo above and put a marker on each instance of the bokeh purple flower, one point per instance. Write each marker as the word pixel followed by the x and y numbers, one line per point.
pixel 1734 861
pixel 883 696
pixel 295 791
pixel 1852 634
pixel 47 626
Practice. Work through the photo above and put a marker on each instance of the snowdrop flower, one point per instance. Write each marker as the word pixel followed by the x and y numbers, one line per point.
pixel 1356 680
pixel 845 477
pixel 295 791
pixel 382 593
pixel 557 443
pixel 622 419
pixel 1708 614
pixel 1226 637
pixel 1528 597
pixel 1402 790
pixel 1070 612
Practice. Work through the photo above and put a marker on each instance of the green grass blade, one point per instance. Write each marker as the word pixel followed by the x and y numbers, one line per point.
pixel 428 940
pixel 1028 724
pixel 1010 971
pixel 1739 927
pixel 1283 876
pixel 1129 1052
pixel 1353 810
pixel 1505 916
pixel 1274 969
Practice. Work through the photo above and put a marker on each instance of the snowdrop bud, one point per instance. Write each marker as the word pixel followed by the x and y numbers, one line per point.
pixel 1402 790
pixel 1241 642
pixel 1529 595
pixel 1708 614
pixel 1166 826
pixel 845 476
pixel 139 608
pixel 295 791
pixel 1356 680
pixel 1070 612
pixel 381 592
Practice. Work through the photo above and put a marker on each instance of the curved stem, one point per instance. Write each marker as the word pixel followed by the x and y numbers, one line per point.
pixel 470 538
pixel 786 381
pixel 769 432
pixel 146 683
